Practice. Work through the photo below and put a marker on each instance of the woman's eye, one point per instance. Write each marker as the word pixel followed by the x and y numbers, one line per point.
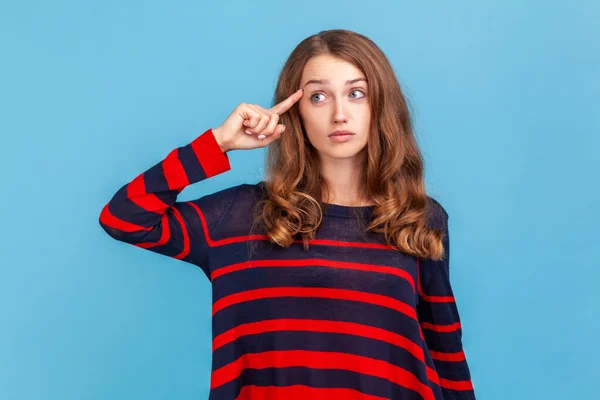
pixel 358 91
pixel 313 96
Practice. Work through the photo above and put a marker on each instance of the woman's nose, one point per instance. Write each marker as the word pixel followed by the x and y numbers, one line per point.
pixel 339 112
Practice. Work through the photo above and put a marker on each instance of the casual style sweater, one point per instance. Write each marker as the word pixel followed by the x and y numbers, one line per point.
pixel 349 318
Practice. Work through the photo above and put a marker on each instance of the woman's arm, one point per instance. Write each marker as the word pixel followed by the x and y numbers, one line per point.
pixel 145 213
pixel 440 321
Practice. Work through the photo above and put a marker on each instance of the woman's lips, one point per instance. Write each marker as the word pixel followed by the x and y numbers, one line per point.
pixel 338 138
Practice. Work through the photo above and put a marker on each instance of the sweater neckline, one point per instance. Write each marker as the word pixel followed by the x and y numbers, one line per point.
pixel 338 210
pixel 346 211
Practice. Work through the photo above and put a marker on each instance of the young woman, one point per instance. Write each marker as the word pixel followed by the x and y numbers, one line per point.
pixel 330 278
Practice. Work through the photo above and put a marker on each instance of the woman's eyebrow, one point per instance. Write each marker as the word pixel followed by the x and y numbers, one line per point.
pixel 326 81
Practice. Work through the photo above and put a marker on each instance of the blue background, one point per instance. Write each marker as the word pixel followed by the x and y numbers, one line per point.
pixel 505 98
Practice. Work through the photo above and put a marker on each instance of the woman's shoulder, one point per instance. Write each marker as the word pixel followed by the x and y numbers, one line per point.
pixel 231 209
pixel 236 193
pixel 437 216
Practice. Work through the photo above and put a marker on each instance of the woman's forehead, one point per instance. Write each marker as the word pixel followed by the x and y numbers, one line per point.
pixel 326 70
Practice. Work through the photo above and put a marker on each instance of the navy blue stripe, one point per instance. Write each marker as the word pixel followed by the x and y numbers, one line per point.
pixel 444 342
pixel 438 313
pixel 316 277
pixel 155 181
pixel 451 370
pixel 316 308
pixel 190 163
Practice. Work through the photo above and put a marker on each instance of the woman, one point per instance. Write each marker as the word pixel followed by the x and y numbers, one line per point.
pixel 314 305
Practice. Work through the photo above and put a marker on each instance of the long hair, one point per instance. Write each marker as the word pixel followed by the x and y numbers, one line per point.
pixel 393 172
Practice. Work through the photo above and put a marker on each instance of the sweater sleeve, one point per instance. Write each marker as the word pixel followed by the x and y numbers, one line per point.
pixel 440 321
pixel 145 211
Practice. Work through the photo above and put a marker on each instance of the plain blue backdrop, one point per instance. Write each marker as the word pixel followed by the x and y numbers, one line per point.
pixel 505 97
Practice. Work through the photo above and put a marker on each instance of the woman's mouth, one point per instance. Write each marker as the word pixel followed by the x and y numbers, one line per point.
pixel 341 137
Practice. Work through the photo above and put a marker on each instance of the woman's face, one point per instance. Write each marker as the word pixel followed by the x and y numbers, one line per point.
pixel 335 98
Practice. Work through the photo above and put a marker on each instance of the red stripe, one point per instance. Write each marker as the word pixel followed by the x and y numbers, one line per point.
pixel 174 172
pixel 432 375
pixel 136 192
pixel 164 237
pixel 438 299
pixel 315 325
pixel 209 154
pixel 436 355
pixel 441 328
pixel 320 360
pixel 136 187
pixel 186 236
pixel 110 220
pixel 301 392
pixel 314 262
pixel 340 294
pixel 456 385
pixel 326 242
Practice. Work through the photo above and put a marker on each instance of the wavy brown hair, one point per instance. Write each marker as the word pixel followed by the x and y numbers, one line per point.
pixel 393 174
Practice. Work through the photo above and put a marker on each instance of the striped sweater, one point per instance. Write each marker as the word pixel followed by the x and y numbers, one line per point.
pixel 349 318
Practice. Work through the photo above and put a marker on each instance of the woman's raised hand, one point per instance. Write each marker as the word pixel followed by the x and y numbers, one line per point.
pixel 250 126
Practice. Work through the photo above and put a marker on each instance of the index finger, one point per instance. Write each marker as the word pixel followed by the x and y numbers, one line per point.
pixel 286 104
